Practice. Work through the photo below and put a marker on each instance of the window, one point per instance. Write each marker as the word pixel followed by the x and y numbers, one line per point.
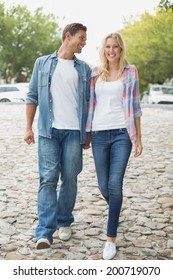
pixel 5 89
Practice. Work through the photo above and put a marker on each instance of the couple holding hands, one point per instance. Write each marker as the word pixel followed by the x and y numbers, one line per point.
pixel 78 107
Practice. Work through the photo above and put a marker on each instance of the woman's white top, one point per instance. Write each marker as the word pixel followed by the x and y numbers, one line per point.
pixel 64 95
pixel 108 112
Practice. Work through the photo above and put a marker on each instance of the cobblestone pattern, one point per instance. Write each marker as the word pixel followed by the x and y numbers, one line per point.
pixel 145 231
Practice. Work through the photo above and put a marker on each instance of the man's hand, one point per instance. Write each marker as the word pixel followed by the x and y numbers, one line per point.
pixel 29 137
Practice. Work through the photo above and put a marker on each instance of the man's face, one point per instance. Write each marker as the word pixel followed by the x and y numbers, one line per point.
pixel 78 41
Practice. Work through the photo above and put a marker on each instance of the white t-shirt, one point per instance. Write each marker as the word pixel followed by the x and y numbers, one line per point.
pixel 108 112
pixel 64 95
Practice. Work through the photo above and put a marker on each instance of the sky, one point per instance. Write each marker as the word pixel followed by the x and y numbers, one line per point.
pixel 100 17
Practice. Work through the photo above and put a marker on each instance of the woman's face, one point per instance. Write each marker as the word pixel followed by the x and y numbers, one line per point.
pixel 112 50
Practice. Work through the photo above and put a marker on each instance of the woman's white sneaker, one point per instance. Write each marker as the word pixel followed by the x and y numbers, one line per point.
pixel 109 251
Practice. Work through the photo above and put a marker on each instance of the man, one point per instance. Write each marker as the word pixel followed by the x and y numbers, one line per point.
pixel 60 86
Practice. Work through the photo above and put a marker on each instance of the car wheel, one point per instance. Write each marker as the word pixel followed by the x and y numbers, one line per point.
pixel 5 100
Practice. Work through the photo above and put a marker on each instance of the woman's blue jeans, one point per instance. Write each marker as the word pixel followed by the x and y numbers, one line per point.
pixel 111 151
pixel 59 156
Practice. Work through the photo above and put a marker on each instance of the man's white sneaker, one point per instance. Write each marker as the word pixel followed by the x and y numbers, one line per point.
pixel 42 243
pixel 109 251
pixel 64 233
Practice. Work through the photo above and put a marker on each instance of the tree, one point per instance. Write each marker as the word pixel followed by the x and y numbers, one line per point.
pixel 149 42
pixel 166 4
pixel 23 37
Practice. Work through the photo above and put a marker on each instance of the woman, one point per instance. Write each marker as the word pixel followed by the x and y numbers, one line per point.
pixel 114 122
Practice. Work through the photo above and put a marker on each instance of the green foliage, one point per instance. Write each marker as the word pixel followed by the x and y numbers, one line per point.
pixel 149 44
pixel 23 37
pixel 166 4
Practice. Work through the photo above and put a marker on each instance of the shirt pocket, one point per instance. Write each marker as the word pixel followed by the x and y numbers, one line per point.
pixel 43 78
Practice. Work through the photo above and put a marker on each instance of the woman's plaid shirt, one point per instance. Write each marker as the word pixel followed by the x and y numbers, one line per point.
pixel 131 99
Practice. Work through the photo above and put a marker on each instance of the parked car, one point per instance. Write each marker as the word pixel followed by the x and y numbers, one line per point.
pixel 160 94
pixel 13 92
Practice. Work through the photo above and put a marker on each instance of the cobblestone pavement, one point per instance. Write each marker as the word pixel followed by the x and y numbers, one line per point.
pixel 145 231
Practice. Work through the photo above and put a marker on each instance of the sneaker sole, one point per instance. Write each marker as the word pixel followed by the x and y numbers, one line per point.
pixel 42 245
pixel 110 257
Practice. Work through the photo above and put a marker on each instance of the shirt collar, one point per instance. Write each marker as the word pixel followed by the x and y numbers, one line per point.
pixel 54 55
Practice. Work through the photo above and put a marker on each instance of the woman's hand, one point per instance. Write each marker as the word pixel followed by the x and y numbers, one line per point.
pixel 87 144
pixel 138 147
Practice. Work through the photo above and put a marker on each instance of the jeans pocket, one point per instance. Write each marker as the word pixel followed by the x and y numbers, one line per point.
pixel 123 130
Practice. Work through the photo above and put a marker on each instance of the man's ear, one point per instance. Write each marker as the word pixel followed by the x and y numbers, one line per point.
pixel 68 35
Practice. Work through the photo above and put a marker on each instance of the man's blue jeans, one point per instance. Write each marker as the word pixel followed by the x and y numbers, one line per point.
pixel 111 151
pixel 59 156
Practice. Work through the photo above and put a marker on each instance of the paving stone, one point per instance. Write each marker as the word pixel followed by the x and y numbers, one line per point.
pixel 146 223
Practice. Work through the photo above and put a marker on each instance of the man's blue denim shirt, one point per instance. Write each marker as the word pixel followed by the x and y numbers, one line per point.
pixel 39 93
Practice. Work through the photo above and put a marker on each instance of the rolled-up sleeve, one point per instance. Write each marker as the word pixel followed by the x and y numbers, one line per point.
pixel 32 96
pixel 136 96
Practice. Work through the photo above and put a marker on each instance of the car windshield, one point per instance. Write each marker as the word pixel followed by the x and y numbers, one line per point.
pixel 170 90
pixel 6 89
pixel 160 89
pixel 155 88
pixel 167 90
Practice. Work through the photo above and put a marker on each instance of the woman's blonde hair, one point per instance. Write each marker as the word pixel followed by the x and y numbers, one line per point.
pixel 104 69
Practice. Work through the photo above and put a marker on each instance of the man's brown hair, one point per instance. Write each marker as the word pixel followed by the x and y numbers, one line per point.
pixel 73 28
